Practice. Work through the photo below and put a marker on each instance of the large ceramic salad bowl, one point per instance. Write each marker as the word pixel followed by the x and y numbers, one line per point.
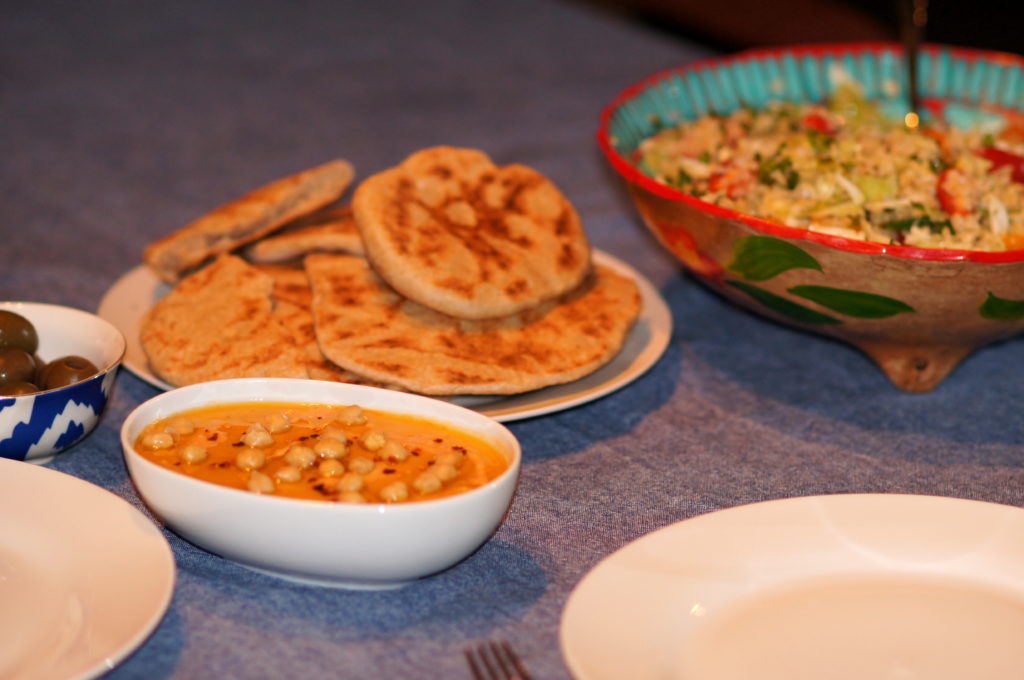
pixel 917 312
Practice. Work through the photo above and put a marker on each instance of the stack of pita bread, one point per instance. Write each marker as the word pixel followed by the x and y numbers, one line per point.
pixel 446 275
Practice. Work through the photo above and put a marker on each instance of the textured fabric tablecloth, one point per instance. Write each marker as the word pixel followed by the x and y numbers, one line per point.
pixel 121 121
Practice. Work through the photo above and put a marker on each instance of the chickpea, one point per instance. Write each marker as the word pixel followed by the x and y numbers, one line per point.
pixel 288 473
pixel 260 483
pixel 352 415
pixel 361 465
pixel 452 457
pixel 333 431
pixel 330 467
pixel 374 440
pixel 444 471
pixel 300 456
pixel 427 482
pixel 251 459
pixel 193 453
pixel 257 436
pixel 394 492
pixel 352 497
pixel 393 449
pixel 180 426
pixel 350 481
pixel 158 440
pixel 278 423
pixel 331 447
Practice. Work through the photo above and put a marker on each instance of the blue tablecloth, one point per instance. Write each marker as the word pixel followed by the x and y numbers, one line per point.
pixel 123 121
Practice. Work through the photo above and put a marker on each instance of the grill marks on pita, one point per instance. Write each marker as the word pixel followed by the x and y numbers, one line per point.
pixel 477 279
pixel 219 323
pixel 293 301
pixel 246 219
pixel 365 326
pixel 332 229
pixel 456 233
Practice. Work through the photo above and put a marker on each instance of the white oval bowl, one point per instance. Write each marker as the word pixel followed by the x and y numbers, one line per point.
pixel 323 542
pixel 35 427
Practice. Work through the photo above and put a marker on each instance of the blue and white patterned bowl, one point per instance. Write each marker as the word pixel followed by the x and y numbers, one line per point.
pixel 37 426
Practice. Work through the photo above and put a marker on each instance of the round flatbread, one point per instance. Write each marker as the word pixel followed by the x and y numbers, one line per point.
pixel 365 326
pixel 330 230
pixel 219 323
pixel 293 300
pixel 246 219
pixel 454 232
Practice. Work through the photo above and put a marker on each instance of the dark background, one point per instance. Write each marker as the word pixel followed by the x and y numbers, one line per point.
pixel 737 24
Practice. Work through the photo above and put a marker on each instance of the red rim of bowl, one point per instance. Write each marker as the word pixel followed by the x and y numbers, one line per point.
pixel 632 174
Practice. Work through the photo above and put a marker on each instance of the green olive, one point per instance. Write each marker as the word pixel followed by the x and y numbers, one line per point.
pixel 13 389
pixel 17 331
pixel 65 371
pixel 16 365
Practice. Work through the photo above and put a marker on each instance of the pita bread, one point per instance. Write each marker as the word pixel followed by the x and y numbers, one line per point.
pixel 452 231
pixel 365 326
pixel 246 219
pixel 291 284
pixel 328 230
pixel 218 323
pixel 293 299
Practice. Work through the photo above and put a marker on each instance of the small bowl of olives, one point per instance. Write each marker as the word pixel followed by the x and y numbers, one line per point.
pixel 57 370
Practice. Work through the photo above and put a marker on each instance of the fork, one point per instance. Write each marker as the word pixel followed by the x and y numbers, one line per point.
pixel 495 661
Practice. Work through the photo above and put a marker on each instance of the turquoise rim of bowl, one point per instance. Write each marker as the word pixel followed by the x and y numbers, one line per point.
pixel 953 80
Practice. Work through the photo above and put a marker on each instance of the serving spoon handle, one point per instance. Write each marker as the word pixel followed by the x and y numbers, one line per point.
pixel 913 16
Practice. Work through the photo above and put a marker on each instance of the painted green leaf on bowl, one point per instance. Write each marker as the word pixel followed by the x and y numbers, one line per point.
pixel 853 303
pixel 1001 309
pixel 783 306
pixel 758 258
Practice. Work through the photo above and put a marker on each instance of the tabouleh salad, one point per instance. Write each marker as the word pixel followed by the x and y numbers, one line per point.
pixel 844 168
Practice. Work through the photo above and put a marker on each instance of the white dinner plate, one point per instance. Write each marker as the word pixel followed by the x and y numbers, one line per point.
pixel 84 576
pixel 844 587
pixel 131 296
